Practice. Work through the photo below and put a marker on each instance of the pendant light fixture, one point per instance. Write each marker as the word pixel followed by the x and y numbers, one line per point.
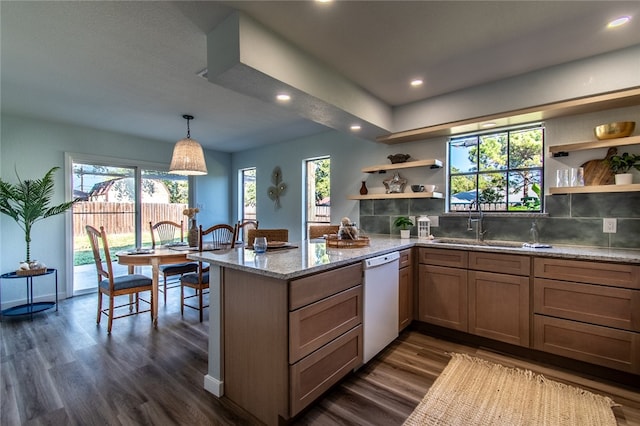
pixel 188 158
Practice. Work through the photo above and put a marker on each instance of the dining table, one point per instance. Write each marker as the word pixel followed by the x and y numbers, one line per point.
pixel 154 258
pixel 160 256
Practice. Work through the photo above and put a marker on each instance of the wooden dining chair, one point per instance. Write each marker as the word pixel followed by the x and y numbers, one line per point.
pixel 112 286
pixel 244 227
pixel 318 231
pixel 167 232
pixel 271 234
pixel 213 237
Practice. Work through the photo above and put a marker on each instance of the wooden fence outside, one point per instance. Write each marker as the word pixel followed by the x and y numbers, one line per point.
pixel 119 218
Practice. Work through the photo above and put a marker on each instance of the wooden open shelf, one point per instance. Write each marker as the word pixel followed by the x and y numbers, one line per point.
pixel 594 188
pixel 433 163
pixel 396 195
pixel 562 150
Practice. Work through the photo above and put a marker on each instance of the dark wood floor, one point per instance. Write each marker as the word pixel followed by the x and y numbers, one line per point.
pixel 62 369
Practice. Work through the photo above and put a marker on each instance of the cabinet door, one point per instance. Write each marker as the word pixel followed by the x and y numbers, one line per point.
pixel 405 299
pixel 499 307
pixel 442 296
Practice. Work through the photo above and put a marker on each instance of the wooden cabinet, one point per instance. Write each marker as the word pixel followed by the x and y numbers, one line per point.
pixel 499 307
pixel 405 288
pixel 588 311
pixel 442 288
pixel 314 374
pixel 482 293
pixel 499 297
pixel 287 342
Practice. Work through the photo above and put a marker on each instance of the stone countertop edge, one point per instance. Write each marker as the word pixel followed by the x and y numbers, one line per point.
pixel 312 256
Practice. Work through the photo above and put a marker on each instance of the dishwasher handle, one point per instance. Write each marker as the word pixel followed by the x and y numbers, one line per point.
pixel 380 260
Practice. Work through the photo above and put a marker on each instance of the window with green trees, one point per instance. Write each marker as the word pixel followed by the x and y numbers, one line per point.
pixel 502 170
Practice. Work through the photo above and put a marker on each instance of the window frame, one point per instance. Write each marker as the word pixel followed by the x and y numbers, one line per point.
pixel 477 172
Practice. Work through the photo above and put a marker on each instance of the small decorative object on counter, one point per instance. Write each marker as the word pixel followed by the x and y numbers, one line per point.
pixel 534 234
pixel 363 189
pixel 424 228
pixel 348 230
pixel 398 158
pixel 395 185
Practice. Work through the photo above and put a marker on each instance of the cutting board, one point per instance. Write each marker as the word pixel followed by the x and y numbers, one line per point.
pixel 597 172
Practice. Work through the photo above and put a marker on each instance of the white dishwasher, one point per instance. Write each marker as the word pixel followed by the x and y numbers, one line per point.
pixel 380 303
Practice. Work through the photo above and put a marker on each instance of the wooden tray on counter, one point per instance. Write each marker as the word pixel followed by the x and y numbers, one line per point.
pixel 334 241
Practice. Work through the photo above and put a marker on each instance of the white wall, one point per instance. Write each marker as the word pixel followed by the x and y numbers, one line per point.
pixel 348 156
pixel 609 72
pixel 33 146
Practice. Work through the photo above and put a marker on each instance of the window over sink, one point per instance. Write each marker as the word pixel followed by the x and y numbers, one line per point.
pixel 499 169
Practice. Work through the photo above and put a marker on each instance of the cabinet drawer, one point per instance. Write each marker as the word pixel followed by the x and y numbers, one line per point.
pixel 613 274
pixel 406 258
pixel 608 306
pixel 317 324
pixel 444 257
pixel 502 263
pixel 604 346
pixel 315 287
pixel 316 373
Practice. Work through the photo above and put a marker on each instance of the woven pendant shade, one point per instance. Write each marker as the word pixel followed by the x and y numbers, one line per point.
pixel 188 157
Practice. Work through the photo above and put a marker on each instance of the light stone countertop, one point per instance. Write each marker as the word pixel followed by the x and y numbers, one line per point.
pixel 313 256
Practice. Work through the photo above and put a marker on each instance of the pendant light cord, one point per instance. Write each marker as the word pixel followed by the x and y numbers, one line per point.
pixel 188 117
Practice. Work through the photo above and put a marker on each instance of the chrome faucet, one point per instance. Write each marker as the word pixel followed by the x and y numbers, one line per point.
pixel 478 221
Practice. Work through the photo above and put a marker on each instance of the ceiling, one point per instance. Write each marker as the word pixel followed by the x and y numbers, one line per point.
pixel 132 67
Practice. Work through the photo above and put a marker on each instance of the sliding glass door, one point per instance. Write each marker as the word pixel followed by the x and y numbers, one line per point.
pixel 123 199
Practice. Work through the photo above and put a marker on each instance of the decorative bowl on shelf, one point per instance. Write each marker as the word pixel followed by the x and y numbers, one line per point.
pixel 618 129
pixel 417 188
pixel 398 158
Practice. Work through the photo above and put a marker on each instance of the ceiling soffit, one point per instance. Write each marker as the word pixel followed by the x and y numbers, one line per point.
pixel 244 56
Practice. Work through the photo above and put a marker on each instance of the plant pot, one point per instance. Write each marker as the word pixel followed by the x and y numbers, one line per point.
pixel 624 179
pixel 405 233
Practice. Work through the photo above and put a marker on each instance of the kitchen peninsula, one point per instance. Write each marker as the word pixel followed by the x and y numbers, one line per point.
pixel 286 325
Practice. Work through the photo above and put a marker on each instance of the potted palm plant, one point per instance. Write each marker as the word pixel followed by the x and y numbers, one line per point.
pixel 621 165
pixel 27 202
pixel 403 223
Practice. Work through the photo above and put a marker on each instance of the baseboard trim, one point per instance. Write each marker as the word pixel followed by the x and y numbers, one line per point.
pixel 213 385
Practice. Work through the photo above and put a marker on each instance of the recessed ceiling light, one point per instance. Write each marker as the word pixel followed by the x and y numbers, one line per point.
pixel 355 127
pixel 488 124
pixel 619 22
pixel 416 82
pixel 283 97
pixel 324 1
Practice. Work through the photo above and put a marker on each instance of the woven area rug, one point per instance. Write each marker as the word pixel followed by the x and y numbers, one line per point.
pixel 472 391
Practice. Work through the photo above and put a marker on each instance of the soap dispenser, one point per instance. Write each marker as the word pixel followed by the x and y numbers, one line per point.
pixel 534 234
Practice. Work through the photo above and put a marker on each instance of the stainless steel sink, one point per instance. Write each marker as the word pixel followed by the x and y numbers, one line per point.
pixel 468 242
